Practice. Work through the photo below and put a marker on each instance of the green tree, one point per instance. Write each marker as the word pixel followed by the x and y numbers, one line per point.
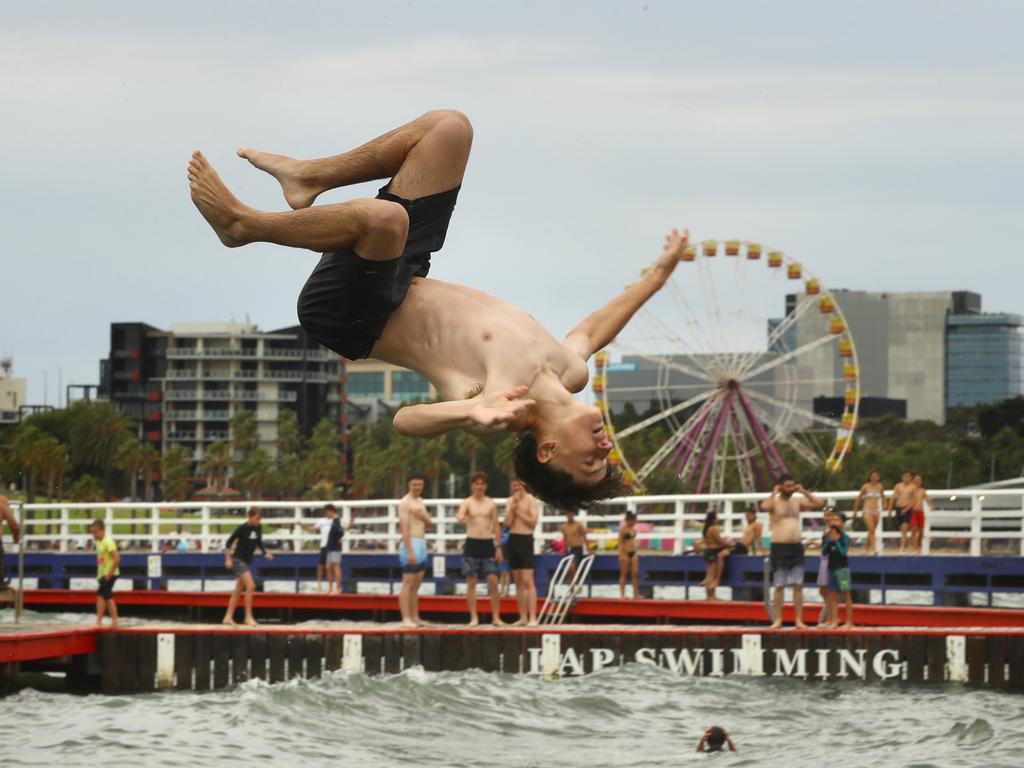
pixel 324 465
pixel 28 456
pixel 215 465
pixel 97 430
pixel 150 467
pixel 469 446
pixel 430 461
pixel 129 458
pixel 289 438
pixel 256 474
pixel 55 465
pixel 174 470
pixel 503 453
pixel 86 489
pixel 244 434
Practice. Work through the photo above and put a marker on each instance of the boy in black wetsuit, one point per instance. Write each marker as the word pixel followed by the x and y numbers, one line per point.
pixel 836 547
pixel 247 538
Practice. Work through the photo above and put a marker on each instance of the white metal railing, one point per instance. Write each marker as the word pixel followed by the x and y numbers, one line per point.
pixel 963 521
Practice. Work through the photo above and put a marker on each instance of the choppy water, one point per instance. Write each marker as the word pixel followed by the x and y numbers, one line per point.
pixel 631 716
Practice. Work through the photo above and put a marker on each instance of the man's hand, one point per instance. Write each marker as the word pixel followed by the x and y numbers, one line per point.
pixel 500 409
pixel 411 558
pixel 270 555
pixel 672 252
pixel 227 563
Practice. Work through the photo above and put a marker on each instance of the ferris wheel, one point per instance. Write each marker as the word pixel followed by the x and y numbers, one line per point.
pixel 715 378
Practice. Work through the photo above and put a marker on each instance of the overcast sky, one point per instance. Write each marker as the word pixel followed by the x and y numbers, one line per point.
pixel 879 143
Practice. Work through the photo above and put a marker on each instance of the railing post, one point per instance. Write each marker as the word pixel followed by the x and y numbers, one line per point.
pixel 392 528
pixel 296 530
pixel 679 545
pixel 975 525
pixel 727 512
pixel 346 521
pixel 204 531
pixel 538 541
pixel 926 535
pixel 65 529
pixel 154 528
pixel 441 526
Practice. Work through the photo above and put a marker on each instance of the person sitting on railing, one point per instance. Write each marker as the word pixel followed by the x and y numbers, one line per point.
pixel 751 542
pixel 6 515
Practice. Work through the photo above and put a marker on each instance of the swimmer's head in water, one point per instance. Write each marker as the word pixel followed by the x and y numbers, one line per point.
pixel 716 738
pixel 555 484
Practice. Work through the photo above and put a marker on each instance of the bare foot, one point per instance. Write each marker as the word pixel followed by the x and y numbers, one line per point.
pixel 849 625
pixel 518 623
pixel 776 625
pixel 229 622
pixel 251 623
pixel 219 207
pixel 473 622
pixel 409 623
pixel 533 623
pixel 299 192
pixel 801 625
pixel 113 623
pixel 497 621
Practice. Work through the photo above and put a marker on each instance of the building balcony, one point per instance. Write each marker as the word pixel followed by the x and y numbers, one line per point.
pixel 179 436
pixel 187 353
pixel 181 415
pixel 209 435
pixel 181 394
pixel 209 415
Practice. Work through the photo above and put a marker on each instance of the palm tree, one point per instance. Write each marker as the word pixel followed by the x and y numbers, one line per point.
pixel 469 446
pixel 503 453
pixel 97 429
pixel 256 473
pixel 430 460
pixel 54 466
pixel 244 434
pixel 289 438
pixel 215 465
pixel 128 459
pixel 174 473
pixel 368 458
pixel 28 455
pixel 149 462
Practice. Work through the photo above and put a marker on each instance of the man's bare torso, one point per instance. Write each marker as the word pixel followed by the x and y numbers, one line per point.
pixel 786 521
pixel 414 513
pixel 467 342
pixel 480 518
pixel 751 534
pixel 573 533
pixel 905 494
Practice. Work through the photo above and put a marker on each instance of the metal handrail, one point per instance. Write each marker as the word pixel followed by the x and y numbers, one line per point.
pixel 544 617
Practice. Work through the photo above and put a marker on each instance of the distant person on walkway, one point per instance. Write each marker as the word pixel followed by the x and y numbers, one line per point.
pixel 921 498
pixel 872 496
pixel 412 551
pixel 323 527
pixel 108 568
pixel 835 549
pixel 629 562
pixel 716 549
pixel 787 552
pixel 751 542
pixel 575 535
pixel 715 739
pixel 335 533
pixel 902 503
pixel 521 519
pixel 247 538
pixel 482 550
pixel 6 515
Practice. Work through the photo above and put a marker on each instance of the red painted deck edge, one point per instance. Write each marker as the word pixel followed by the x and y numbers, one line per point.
pixel 28 646
pixel 694 610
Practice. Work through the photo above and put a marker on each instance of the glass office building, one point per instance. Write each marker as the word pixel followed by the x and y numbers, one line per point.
pixel 984 358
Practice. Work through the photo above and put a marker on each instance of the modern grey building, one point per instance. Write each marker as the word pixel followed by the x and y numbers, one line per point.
pixel 183 385
pixel 984 358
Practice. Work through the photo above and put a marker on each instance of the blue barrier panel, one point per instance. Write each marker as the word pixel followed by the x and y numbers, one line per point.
pixel 947 578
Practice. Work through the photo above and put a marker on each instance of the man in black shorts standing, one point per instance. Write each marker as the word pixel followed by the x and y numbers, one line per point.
pixel 521 518
pixel 495 366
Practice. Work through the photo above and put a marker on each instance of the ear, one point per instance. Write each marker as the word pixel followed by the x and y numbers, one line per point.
pixel 545 450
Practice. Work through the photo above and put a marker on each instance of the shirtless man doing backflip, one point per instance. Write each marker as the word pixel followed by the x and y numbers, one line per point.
pixel 787 551
pixel 495 366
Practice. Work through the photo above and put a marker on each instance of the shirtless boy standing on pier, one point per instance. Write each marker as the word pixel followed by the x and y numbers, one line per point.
pixel 482 550
pixel 904 494
pixel 412 551
pixel 787 552
pixel 495 366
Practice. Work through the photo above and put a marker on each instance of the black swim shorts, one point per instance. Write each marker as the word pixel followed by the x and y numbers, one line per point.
pixel 105 588
pixel 347 300
pixel 520 551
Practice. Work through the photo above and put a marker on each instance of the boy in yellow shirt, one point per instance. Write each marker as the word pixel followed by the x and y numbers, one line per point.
pixel 108 562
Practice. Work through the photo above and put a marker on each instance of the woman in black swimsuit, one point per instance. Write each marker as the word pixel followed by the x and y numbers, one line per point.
pixel 716 549
pixel 629 563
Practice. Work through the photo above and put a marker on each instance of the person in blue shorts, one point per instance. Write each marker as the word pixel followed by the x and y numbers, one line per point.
pixel 412 551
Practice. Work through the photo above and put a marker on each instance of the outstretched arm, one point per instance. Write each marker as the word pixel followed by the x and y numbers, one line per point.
pixel 489 414
pixel 600 327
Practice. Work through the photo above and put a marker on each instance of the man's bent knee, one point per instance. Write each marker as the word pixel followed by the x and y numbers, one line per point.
pixel 385 231
pixel 454 124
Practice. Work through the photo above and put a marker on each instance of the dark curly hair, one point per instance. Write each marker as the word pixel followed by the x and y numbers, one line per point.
pixel 557 487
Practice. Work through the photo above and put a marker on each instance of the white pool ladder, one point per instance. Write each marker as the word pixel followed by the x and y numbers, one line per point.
pixel 556 607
